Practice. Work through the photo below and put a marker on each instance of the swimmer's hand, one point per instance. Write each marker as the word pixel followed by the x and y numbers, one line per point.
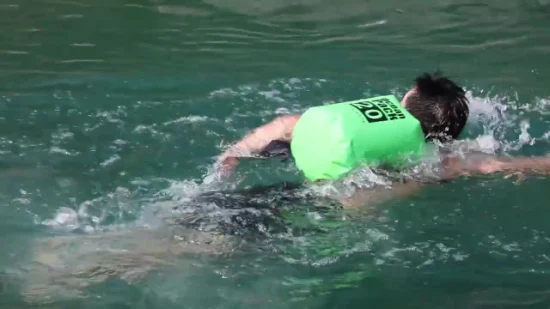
pixel 226 166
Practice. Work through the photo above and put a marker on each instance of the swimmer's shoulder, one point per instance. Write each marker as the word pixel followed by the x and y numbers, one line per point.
pixel 290 120
pixel 286 124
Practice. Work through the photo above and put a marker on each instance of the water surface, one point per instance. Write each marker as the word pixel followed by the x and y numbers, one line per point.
pixel 111 110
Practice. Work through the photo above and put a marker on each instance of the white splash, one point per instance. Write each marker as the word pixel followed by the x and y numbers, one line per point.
pixel 187 119
pixel 65 218
pixel 110 161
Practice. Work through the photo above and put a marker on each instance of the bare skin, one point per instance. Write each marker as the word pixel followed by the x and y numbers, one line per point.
pixel 279 129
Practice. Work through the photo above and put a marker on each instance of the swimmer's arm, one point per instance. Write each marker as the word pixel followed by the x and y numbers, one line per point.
pixel 452 168
pixel 279 129
pixel 371 196
pixel 456 167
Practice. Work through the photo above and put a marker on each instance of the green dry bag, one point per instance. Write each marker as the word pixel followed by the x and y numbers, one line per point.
pixel 331 140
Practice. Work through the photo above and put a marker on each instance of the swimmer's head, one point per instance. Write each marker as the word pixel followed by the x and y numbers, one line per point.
pixel 439 104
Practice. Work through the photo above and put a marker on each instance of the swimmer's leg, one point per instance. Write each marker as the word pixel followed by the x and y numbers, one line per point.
pixel 66 265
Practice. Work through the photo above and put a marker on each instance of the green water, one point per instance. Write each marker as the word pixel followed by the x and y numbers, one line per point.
pixel 109 106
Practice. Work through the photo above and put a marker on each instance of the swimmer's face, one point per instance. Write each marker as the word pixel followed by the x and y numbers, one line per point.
pixel 407 95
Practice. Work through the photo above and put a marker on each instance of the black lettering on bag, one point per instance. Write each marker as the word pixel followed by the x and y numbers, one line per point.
pixel 379 110
pixel 371 112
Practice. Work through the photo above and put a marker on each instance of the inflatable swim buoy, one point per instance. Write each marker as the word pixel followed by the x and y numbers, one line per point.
pixel 331 140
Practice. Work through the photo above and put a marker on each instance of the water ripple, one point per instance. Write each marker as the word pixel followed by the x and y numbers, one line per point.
pixel 127 101
pixel 183 10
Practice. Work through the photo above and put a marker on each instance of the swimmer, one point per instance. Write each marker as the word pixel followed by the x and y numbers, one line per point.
pixel 439 105
pixel 323 145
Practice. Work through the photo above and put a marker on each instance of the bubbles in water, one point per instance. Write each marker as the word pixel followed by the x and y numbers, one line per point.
pixel 182 189
pixel 110 161
pixel 524 137
pixel 146 129
pixel 187 119
pixel 58 150
pixel 114 209
pixel 65 218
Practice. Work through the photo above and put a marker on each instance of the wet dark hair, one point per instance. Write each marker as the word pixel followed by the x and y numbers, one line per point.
pixel 440 105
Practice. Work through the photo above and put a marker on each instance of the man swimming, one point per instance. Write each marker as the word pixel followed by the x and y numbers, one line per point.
pixel 216 222
pixel 437 104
